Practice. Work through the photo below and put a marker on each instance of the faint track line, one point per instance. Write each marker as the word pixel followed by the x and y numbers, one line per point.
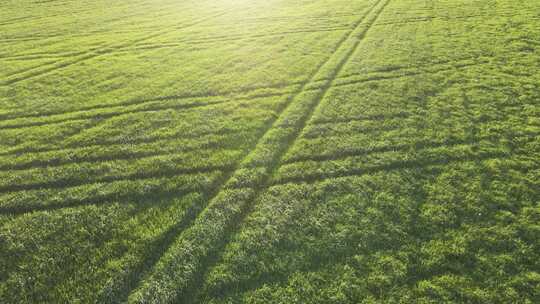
pixel 416 147
pixel 141 101
pixel 229 39
pixel 70 182
pixel 120 289
pixel 94 54
pixel 355 152
pixel 105 116
pixel 310 134
pixel 315 263
pixel 44 64
pixel 15 20
pixel 361 118
pixel 276 278
pixel 95 124
pixel 124 155
pixel 407 74
pixel 433 65
pixel 397 165
pixel 444 18
pixel 73 130
pixel 96 200
pixel 68 55
pixel 37 56
pixel 121 142
pixel 342 82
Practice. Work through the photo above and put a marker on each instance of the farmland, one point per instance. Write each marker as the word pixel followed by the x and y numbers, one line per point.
pixel 281 151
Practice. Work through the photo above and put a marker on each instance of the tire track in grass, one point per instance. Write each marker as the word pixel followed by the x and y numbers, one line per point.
pixel 158 108
pixel 405 74
pixel 360 118
pixel 506 14
pixel 49 60
pixel 176 44
pixel 15 20
pixel 179 273
pixel 262 111
pixel 95 124
pixel 41 55
pixel 243 94
pixel 429 66
pixel 226 97
pixel 393 166
pixel 125 140
pixel 120 150
pixel 106 143
pixel 232 39
pixel 111 48
pixel 101 200
pixel 226 292
pixel 71 181
pixel 417 146
pixel 98 122
pixel 55 66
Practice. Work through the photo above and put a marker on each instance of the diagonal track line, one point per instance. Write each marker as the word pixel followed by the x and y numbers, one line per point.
pixel 99 200
pixel 279 278
pixel 228 97
pixel 197 289
pixel 174 231
pixel 298 92
pixel 169 288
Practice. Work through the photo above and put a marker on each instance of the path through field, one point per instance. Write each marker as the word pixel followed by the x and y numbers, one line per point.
pixel 280 151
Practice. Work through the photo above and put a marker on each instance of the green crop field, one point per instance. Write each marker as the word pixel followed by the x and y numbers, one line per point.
pixel 270 151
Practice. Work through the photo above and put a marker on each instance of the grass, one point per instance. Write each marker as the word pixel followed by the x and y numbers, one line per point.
pixel 234 151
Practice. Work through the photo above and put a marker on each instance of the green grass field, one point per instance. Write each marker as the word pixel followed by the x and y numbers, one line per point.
pixel 276 151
